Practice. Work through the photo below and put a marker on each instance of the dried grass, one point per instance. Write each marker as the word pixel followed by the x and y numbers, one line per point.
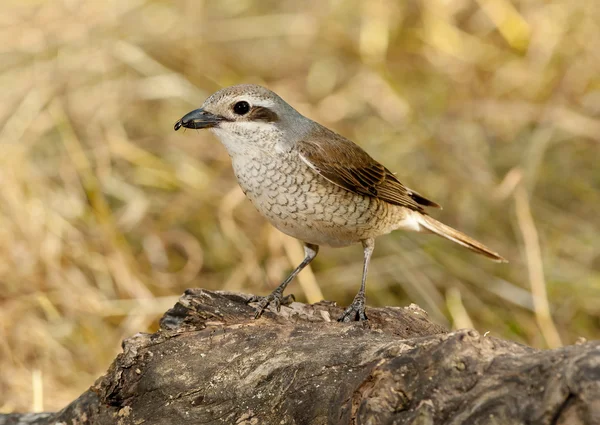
pixel 107 214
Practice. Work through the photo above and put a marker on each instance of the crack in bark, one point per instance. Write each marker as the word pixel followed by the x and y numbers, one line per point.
pixel 562 408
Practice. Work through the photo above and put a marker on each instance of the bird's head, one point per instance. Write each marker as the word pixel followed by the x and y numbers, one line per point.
pixel 242 114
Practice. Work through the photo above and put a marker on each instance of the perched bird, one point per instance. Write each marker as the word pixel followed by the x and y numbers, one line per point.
pixel 313 184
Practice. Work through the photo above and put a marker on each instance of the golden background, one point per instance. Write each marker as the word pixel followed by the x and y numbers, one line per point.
pixel 490 108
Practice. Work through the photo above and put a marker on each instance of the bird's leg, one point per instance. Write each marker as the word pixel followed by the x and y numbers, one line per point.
pixel 356 310
pixel 310 252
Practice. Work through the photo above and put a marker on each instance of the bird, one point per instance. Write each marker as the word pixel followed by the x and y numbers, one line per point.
pixel 313 184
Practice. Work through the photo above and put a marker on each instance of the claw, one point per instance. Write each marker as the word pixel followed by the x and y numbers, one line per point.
pixel 354 313
pixel 275 297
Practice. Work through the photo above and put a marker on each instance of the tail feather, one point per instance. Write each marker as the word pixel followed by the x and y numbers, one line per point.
pixel 460 238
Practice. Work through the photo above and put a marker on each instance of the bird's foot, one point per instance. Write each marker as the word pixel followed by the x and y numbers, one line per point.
pixel 355 311
pixel 275 297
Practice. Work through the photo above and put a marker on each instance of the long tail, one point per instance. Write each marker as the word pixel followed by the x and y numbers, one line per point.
pixel 454 235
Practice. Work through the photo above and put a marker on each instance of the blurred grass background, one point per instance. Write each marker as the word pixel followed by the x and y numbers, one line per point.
pixel 489 107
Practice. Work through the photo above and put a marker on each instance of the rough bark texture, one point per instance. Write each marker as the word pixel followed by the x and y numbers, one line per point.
pixel 211 363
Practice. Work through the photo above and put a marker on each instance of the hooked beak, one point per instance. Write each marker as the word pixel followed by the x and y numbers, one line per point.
pixel 198 119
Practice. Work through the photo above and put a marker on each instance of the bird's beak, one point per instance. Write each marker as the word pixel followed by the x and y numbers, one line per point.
pixel 198 119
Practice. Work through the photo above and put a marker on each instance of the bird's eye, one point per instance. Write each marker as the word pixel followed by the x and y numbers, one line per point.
pixel 241 108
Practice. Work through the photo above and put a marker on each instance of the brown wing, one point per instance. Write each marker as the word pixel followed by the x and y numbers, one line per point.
pixel 347 165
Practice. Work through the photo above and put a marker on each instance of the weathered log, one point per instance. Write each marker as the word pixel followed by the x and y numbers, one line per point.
pixel 211 363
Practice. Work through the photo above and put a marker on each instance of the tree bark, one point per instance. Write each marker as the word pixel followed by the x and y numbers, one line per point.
pixel 211 363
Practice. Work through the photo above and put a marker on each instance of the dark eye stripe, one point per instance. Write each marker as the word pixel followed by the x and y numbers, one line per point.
pixel 260 113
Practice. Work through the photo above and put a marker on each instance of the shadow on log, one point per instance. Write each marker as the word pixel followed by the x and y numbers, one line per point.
pixel 211 363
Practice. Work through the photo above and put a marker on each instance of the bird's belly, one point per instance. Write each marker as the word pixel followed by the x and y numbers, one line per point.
pixel 305 206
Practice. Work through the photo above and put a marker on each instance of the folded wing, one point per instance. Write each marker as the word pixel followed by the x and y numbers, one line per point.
pixel 347 165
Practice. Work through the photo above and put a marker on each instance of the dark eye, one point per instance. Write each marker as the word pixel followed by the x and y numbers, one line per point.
pixel 241 108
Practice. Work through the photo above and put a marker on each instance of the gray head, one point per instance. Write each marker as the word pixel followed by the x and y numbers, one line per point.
pixel 248 114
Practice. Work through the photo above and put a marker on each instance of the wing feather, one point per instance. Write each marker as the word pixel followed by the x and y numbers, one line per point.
pixel 347 165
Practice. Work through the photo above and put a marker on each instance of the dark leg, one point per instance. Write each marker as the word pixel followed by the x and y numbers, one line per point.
pixel 356 310
pixel 310 252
